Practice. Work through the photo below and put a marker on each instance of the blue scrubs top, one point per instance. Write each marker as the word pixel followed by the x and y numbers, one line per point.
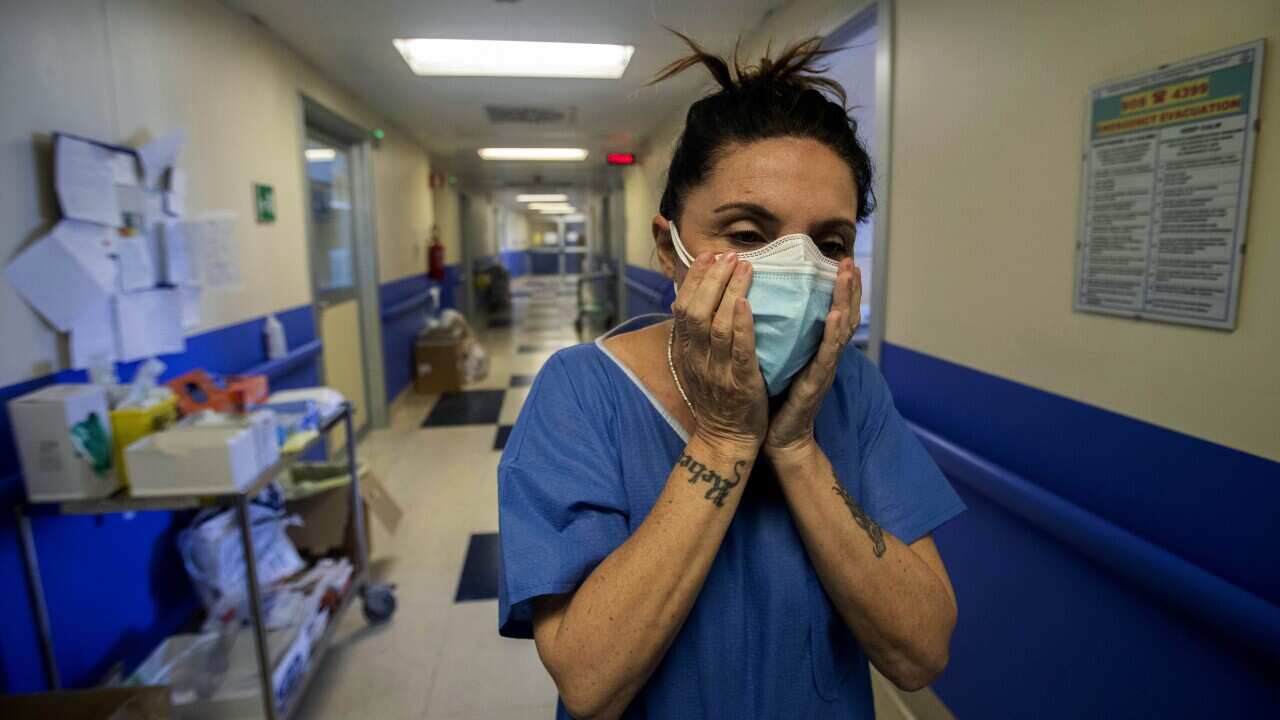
pixel 584 465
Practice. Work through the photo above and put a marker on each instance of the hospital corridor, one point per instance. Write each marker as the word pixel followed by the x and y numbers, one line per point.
pixel 697 360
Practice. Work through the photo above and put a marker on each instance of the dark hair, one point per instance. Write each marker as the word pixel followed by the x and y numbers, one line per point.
pixel 780 97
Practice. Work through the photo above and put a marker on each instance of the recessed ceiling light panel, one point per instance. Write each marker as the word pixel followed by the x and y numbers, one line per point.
pixel 549 197
pixel 512 58
pixel 533 154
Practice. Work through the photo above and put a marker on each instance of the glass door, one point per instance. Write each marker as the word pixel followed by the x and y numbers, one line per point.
pixel 332 236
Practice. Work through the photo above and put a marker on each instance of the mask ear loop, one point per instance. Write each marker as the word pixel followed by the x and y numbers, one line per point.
pixel 681 252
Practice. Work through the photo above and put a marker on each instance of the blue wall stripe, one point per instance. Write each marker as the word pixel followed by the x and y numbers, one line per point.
pixel 517 262
pixel 1116 567
pixel 648 291
pixel 403 313
pixel 1229 610
pixel 1190 496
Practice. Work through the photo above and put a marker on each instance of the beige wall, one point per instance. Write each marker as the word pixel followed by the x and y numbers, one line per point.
pixel 445 202
pixel 126 70
pixel 987 125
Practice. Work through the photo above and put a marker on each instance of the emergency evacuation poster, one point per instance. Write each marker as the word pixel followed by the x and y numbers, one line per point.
pixel 1167 160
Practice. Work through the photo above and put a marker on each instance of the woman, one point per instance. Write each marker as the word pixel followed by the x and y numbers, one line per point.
pixel 721 514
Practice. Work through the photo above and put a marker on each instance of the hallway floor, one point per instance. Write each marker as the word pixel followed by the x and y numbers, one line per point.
pixel 441 656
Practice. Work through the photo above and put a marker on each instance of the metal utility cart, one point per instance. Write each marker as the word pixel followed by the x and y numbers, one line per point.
pixel 378 599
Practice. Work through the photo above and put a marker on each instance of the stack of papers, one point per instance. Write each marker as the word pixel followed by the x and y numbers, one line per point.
pixel 120 273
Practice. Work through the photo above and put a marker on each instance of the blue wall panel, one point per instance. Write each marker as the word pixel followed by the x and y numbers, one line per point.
pixel 115 585
pixel 648 291
pixel 544 263
pixel 402 318
pixel 517 262
pixel 1057 620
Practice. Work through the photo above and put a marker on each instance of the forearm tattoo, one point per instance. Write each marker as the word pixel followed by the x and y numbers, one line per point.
pixel 720 485
pixel 864 521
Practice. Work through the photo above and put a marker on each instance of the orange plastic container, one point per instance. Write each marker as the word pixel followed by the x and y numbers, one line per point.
pixel 197 391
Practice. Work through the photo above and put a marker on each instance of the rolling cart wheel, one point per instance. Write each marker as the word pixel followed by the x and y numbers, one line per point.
pixel 379 603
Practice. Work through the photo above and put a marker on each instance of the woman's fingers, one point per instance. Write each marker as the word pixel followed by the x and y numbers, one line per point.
pixel 722 325
pixel 706 299
pixel 745 367
pixel 818 374
pixel 856 308
pixel 842 297
pixel 688 288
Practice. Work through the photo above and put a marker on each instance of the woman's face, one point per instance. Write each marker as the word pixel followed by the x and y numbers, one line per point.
pixel 760 191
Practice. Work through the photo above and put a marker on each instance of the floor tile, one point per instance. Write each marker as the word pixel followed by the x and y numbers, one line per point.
pixel 539 347
pixel 500 438
pixel 511 405
pixel 469 407
pixel 484 675
pixel 479 580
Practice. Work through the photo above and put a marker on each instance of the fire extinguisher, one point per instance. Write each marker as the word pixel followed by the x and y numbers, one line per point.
pixel 435 256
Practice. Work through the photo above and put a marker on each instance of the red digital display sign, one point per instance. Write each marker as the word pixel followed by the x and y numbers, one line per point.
pixel 620 158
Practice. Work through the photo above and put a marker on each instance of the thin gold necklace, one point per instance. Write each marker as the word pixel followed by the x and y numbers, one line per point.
pixel 671 335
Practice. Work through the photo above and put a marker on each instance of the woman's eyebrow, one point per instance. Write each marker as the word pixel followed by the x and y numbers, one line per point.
pixel 758 210
pixel 836 224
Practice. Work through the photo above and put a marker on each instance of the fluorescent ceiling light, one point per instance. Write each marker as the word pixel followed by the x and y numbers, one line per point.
pixel 550 206
pixel 552 197
pixel 321 154
pixel 525 153
pixel 506 58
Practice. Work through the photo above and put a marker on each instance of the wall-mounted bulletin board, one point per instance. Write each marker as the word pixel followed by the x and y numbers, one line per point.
pixel 1168 156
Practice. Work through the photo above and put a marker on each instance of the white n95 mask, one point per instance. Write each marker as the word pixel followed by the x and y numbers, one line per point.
pixel 791 288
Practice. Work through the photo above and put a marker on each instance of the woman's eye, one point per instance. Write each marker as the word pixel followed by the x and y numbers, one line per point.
pixel 747 237
pixel 833 250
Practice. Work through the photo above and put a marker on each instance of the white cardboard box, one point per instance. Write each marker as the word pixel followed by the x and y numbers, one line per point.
pixel 193 461
pixel 58 430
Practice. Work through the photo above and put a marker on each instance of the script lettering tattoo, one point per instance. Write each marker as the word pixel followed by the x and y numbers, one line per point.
pixel 864 521
pixel 720 485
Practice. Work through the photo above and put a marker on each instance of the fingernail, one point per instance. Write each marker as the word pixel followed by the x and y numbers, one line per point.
pixel 731 257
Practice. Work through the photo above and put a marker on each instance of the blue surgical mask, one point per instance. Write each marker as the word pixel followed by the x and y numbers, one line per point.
pixel 791 287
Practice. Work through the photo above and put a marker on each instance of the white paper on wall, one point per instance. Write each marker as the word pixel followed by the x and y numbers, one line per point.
pixel 178 259
pixel 149 323
pixel 137 267
pixel 220 254
pixel 175 198
pixel 93 336
pixel 84 177
pixel 191 299
pixel 159 155
pixel 66 271
pixel 126 169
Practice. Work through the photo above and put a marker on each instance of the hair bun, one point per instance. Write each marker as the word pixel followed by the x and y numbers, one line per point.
pixel 798 67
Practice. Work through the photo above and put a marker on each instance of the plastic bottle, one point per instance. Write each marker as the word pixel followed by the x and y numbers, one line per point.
pixel 273 332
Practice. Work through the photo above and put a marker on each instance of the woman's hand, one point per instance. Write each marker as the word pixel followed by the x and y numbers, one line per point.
pixel 715 352
pixel 791 428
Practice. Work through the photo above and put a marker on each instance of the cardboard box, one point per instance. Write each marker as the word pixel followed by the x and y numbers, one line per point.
pixel 128 425
pixel 193 461
pixel 437 361
pixel 129 703
pixel 63 434
pixel 326 517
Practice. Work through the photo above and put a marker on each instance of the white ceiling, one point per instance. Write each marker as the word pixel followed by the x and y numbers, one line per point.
pixel 351 43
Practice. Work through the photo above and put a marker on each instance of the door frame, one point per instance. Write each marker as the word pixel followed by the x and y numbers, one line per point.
pixel 317 118
pixel 879 12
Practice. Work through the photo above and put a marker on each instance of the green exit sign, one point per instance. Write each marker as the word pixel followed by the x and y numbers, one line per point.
pixel 264 200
